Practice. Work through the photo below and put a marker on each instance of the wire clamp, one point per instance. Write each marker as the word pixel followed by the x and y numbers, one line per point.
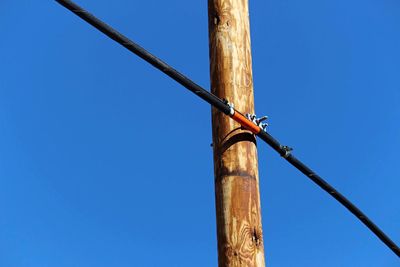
pixel 287 151
pixel 258 121
pixel 231 107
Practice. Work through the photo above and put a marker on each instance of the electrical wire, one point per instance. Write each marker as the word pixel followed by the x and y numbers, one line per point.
pixel 227 109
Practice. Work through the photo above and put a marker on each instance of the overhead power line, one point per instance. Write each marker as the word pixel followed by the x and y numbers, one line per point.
pixel 248 122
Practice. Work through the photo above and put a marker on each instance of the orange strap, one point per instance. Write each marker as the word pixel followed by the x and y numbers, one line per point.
pixel 245 122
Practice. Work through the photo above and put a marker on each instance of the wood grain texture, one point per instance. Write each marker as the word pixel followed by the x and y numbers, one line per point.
pixel 239 229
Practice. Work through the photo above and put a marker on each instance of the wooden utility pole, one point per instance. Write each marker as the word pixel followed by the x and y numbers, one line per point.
pixel 239 229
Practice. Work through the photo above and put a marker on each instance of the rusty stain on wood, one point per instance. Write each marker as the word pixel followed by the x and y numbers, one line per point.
pixel 239 229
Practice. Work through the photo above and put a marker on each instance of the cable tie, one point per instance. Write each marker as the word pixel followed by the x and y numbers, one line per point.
pixel 288 151
pixel 231 107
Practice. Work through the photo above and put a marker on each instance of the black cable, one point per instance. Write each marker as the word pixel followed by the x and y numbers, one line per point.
pixel 285 153
pixel 142 53
pixel 222 106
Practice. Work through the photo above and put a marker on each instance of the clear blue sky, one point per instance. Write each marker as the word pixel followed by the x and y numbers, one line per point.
pixel 92 175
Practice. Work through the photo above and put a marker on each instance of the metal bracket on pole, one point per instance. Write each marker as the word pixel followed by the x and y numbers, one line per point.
pixel 258 121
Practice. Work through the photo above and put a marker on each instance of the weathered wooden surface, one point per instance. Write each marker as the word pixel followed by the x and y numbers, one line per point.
pixel 240 241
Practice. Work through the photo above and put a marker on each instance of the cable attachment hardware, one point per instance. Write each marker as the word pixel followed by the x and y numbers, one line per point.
pixel 258 121
pixel 287 151
pixel 231 107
